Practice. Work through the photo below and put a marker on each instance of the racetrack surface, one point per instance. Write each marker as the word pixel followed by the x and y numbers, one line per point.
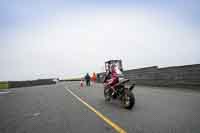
pixel 53 108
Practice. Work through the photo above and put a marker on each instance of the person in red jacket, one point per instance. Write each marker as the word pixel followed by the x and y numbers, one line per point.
pixel 94 77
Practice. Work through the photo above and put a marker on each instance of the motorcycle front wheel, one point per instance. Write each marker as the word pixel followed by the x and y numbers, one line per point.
pixel 128 100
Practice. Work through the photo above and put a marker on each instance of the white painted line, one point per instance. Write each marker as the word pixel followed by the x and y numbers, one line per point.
pixel 4 92
pixel 36 114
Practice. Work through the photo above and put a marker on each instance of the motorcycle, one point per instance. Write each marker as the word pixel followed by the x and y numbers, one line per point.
pixel 121 90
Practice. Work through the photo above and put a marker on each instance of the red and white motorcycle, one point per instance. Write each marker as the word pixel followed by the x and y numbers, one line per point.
pixel 121 90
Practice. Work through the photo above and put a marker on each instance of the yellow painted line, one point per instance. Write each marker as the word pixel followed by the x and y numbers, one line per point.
pixel 107 120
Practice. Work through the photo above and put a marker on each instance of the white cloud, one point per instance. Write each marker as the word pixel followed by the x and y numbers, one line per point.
pixel 74 43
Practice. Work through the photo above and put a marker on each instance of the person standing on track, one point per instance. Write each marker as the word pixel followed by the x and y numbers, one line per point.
pixel 94 77
pixel 87 79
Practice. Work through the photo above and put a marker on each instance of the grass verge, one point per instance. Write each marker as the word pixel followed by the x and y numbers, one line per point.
pixel 4 85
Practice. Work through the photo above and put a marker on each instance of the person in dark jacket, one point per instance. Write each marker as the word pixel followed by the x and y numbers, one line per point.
pixel 87 79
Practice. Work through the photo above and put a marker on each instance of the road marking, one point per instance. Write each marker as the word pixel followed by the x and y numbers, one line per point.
pixel 4 92
pixel 107 120
pixel 36 114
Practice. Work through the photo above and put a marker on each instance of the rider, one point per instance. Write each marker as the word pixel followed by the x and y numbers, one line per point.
pixel 114 78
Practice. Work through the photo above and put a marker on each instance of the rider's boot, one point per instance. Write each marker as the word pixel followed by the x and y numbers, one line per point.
pixel 114 91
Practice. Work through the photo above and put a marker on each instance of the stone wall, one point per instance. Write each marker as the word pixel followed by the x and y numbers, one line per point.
pixel 178 76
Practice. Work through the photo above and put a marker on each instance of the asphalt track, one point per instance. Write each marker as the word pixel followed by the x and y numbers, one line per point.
pixel 67 108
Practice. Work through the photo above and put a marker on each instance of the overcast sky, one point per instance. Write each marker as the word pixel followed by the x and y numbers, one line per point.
pixel 45 38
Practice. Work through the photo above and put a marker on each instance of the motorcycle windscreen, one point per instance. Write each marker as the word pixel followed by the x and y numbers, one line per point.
pixel 116 63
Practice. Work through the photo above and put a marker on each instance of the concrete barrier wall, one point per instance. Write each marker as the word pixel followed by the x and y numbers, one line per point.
pixel 178 76
pixel 15 84
pixel 142 76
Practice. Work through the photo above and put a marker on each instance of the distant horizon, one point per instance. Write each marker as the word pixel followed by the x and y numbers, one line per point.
pixel 90 73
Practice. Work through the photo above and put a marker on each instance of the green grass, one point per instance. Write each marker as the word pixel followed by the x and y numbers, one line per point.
pixel 3 85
